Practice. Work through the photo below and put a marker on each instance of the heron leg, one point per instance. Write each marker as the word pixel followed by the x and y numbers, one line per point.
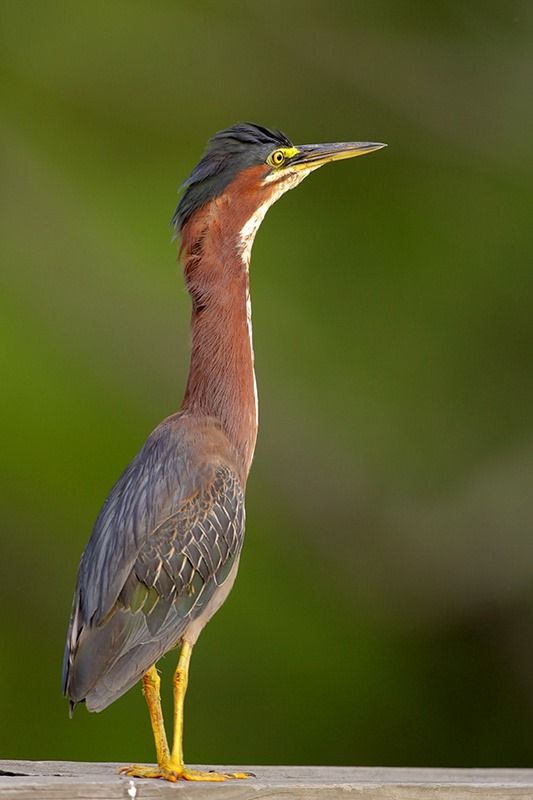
pixel 181 679
pixel 151 688
pixel 171 766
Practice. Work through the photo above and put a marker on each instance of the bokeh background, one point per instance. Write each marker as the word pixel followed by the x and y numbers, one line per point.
pixel 384 609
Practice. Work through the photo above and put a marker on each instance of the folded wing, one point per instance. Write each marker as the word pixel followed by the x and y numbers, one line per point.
pixel 153 577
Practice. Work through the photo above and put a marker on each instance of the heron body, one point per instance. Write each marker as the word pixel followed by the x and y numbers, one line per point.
pixel 165 548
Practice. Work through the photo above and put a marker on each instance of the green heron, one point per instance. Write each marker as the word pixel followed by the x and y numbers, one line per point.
pixel 164 552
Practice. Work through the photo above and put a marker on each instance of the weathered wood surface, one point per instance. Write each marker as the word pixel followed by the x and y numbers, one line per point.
pixel 68 780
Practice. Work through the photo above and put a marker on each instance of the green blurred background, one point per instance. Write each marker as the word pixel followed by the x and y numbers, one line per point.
pixel 384 609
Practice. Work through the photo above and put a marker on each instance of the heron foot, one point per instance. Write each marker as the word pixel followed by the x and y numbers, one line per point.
pixel 173 774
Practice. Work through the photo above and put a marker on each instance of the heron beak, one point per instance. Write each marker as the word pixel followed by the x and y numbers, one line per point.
pixel 312 156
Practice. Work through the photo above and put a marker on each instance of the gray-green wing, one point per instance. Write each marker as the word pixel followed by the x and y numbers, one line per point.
pixel 188 556
pixel 176 572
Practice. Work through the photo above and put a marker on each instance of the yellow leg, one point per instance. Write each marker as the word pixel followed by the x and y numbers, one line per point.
pixel 181 680
pixel 171 766
pixel 151 690
pixel 151 686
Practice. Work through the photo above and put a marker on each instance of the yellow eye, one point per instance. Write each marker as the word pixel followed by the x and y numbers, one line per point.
pixel 276 159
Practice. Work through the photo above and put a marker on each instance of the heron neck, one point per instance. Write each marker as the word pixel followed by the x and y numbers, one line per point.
pixel 221 381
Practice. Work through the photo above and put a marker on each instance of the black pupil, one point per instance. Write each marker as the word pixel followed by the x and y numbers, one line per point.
pixel 279 157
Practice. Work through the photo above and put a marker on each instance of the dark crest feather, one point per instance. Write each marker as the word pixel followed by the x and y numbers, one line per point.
pixel 228 152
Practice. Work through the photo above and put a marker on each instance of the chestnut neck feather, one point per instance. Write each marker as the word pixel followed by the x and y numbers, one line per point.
pixel 221 381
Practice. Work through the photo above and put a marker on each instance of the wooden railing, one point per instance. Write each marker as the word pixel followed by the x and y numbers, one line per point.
pixel 67 780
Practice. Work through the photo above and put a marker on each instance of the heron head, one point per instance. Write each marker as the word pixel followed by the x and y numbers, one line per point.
pixel 260 161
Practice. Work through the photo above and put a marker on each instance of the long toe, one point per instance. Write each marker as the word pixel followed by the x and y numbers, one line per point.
pixel 211 775
pixel 143 771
